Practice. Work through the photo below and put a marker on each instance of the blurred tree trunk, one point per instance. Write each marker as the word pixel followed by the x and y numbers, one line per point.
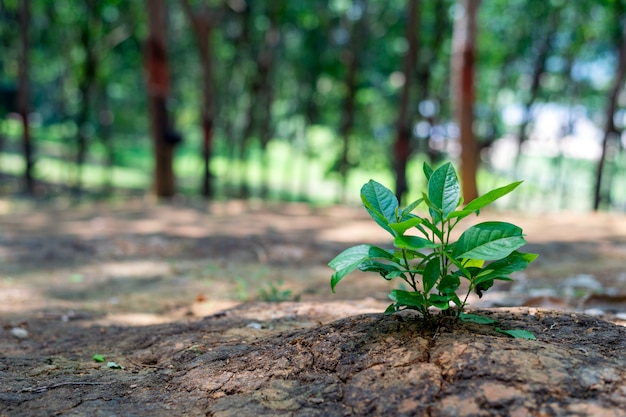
pixel 261 96
pixel 158 91
pixel 267 62
pixel 203 22
pixel 86 87
pixel 105 121
pixel 234 97
pixel 610 130
pixel 429 57
pixel 243 188
pixel 351 58
pixel 105 116
pixel 23 94
pixel 402 145
pixel 543 48
pixel 315 45
pixel 463 92
pixel 250 120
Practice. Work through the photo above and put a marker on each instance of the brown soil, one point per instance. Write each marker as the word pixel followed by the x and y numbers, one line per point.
pixel 172 294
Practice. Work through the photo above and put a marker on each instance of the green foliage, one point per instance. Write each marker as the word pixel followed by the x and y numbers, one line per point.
pixel 103 98
pixel 273 292
pixel 98 358
pixel 516 333
pixel 429 261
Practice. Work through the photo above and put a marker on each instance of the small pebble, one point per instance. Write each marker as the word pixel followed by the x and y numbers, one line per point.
pixel 19 333
pixel 255 325
pixel 584 282
pixel 542 292
pixel 594 312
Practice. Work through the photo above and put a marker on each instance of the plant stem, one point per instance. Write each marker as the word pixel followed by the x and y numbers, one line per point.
pixel 445 237
pixel 413 284
pixel 464 303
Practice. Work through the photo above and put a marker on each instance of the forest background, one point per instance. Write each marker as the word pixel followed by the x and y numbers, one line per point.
pixel 307 100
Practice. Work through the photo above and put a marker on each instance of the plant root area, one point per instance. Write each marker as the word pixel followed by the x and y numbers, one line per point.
pixel 226 310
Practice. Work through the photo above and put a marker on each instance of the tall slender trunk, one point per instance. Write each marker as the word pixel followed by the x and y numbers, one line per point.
pixel 609 127
pixel 351 61
pixel 267 63
pixel 258 119
pixel 105 120
pixel 402 145
pixel 158 91
pixel 86 89
pixel 539 68
pixel 347 119
pixel 314 43
pixel 23 95
pixel 207 110
pixel 238 128
pixel 463 92
pixel 257 93
pixel 429 58
pixel 202 24
pixel 247 133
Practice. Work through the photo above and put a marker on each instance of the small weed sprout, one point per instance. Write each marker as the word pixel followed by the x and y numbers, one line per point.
pixel 427 260
pixel 273 292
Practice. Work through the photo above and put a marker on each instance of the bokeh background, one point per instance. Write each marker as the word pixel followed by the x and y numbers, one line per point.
pixel 306 100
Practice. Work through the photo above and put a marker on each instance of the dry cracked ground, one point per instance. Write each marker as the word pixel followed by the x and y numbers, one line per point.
pixel 225 309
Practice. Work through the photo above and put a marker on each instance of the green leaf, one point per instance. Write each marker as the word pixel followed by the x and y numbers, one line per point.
pixel 350 256
pixel 350 259
pixel 407 298
pixel 380 203
pixel 402 227
pixel 431 206
pixel 475 205
pixel 489 241
pixel 428 171
pixel 478 263
pixel 516 261
pixel 518 334
pixel 391 309
pixel 456 300
pixel 409 254
pixel 460 214
pixel 473 318
pixel 483 285
pixel 484 272
pixel 388 271
pixel 408 209
pixel 358 253
pixel 440 301
pixel 444 191
pixel 432 227
pixel 98 358
pixel 431 274
pixel 490 197
pixel 413 243
pixel 449 284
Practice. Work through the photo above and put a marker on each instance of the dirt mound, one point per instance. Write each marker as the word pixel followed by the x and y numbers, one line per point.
pixel 296 359
pixel 157 291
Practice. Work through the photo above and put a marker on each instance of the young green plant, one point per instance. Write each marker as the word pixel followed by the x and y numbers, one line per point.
pixel 425 257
